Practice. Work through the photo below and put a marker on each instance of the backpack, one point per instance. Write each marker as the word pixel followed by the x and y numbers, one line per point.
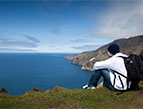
pixel 134 66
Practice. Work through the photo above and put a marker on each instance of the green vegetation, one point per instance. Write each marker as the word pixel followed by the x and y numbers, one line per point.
pixel 65 98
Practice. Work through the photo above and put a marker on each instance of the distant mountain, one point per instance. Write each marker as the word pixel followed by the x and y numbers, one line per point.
pixel 127 46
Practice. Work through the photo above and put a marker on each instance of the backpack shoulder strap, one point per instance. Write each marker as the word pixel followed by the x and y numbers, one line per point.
pixel 123 57
pixel 119 73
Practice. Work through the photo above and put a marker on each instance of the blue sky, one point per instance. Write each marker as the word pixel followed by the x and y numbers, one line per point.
pixel 67 26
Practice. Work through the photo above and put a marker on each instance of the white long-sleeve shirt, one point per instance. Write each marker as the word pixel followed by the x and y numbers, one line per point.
pixel 115 63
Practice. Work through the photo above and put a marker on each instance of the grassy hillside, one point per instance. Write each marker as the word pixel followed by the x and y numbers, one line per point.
pixel 65 98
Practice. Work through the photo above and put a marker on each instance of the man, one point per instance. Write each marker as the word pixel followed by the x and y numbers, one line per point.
pixel 112 70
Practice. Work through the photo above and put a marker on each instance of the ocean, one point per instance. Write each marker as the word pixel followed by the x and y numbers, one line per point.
pixel 21 72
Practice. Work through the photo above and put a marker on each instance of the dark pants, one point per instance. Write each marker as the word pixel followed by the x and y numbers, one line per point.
pixel 100 74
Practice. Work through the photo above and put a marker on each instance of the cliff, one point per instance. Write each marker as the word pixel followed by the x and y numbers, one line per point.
pixel 127 46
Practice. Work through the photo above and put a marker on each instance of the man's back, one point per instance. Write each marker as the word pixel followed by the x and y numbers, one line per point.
pixel 118 72
pixel 115 63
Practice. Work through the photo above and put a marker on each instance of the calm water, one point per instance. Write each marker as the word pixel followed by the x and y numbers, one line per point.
pixel 20 73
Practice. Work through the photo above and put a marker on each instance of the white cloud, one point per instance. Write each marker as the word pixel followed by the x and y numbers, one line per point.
pixel 124 19
pixel 80 40
pixel 17 42
pixel 88 47
pixel 7 49
pixel 55 48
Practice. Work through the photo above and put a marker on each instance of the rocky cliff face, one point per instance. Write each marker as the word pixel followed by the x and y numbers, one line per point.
pixel 127 46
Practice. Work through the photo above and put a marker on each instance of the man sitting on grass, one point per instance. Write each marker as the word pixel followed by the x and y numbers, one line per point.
pixel 112 70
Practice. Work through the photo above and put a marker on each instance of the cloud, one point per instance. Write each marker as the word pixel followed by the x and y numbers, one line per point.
pixel 32 39
pixel 18 42
pixel 80 41
pixel 10 42
pixel 124 19
pixel 87 47
pixel 3 49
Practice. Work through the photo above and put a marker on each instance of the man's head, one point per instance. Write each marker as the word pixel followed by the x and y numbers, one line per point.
pixel 113 49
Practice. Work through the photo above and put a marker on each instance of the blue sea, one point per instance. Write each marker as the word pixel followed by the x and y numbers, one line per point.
pixel 21 72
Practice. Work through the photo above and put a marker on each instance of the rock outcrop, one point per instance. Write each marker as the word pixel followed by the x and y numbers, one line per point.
pixel 127 46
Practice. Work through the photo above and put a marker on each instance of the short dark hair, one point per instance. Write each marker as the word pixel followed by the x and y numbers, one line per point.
pixel 113 49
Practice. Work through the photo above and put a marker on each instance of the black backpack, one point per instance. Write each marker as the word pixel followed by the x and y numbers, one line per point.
pixel 134 66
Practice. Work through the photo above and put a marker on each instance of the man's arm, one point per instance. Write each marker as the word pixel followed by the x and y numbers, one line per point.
pixel 103 64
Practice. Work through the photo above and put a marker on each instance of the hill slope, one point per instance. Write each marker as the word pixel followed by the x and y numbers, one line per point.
pixel 127 46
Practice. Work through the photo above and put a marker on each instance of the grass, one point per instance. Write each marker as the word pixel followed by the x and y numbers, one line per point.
pixel 71 99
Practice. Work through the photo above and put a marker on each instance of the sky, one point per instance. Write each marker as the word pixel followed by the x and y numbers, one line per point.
pixel 67 26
